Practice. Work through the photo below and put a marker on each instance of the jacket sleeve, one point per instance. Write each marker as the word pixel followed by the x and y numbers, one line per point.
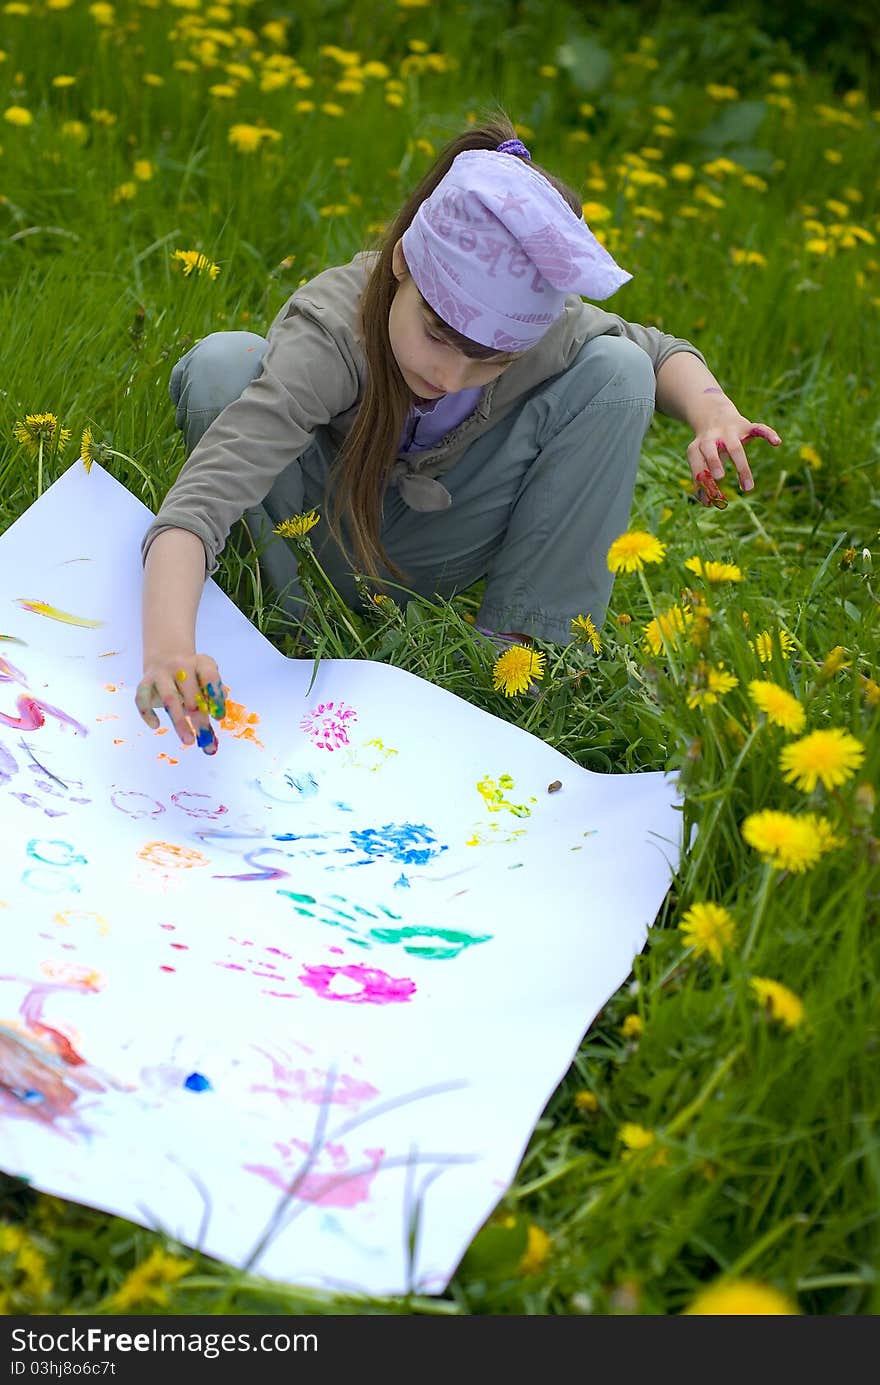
pixel 658 344
pixel 308 377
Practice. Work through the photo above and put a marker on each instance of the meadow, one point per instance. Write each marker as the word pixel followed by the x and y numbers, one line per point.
pixel 172 167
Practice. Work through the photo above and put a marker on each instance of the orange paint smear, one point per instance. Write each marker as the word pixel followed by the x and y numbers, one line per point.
pixel 118 741
pixel 170 758
pixel 166 856
pixel 240 723
pixel 109 716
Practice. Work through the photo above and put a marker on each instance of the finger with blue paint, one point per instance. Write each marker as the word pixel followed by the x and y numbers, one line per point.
pixel 187 687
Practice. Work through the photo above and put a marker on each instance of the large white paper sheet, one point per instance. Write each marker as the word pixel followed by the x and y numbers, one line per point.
pixel 301 1003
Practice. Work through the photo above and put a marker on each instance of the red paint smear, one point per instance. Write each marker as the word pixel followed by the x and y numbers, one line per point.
pixel 378 988
pixel 171 926
pixel 165 968
pixel 61 1042
pixel 336 1188
pixel 182 947
pixel 312 1085
pixel 31 716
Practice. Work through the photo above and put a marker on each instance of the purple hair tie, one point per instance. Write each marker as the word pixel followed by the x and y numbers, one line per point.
pixel 513 146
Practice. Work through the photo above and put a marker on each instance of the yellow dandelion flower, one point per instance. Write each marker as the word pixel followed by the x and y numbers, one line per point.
pixel 64 80
pixel 742 1297
pixel 780 1003
pixel 635 1136
pixel 297 526
pixel 194 260
pixel 779 707
pixel 143 170
pixel 828 756
pixel 537 1251
pixel 75 130
pixel 125 192
pixel 514 670
pixel 787 842
pixel 871 689
pixel 834 661
pixel 586 1102
pixel 41 430
pixel 708 929
pixel 18 115
pixel 632 550
pixel 710 684
pixel 763 645
pixel 623 618
pixel 87 449
pixel 811 457
pixel 246 139
pixel 713 572
pixel 633 1027
pixel 149 1281
pixel 585 632
pixel 721 93
pixel 669 626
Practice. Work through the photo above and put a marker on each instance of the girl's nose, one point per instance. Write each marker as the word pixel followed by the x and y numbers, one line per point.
pixel 452 376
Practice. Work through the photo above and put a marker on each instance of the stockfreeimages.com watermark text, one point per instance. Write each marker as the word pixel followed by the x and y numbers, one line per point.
pixel 97 1340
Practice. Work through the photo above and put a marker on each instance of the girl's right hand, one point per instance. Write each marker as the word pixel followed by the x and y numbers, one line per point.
pixel 189 687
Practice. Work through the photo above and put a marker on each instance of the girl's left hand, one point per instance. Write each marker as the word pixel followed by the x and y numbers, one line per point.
pixel 725 435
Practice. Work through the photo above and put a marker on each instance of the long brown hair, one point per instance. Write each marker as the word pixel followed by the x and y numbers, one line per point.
pixel 360 475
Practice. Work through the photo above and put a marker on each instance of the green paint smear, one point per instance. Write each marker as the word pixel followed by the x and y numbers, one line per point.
pixel 302 898
pixel 455 942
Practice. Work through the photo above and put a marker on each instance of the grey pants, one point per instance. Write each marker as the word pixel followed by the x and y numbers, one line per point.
pixel 536 501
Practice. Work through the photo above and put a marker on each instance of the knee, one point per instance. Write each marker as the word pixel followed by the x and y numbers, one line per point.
pixel 616 368
pixel 217 369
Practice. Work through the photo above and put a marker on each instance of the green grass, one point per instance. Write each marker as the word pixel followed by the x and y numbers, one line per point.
pixel 768 1165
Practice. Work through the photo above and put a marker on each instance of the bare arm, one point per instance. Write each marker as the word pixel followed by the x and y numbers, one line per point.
pixel 175 677
pixel 174 575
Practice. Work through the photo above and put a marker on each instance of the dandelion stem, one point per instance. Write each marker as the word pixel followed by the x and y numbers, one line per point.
pixel 40 468
pixel 775 1233
pixel 759 910
pixel 689 1111
pixel 705 835
pixel 667 646
pixel 341 608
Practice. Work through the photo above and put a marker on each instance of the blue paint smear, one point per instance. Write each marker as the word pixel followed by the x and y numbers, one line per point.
pixel 401 883
pixel 409 843
pixel 197 1083
pixel 344 807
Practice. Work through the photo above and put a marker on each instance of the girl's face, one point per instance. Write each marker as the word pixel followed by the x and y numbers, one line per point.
pixel 429 365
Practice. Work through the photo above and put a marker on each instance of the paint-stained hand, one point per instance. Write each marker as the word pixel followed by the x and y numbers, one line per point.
pixel 191 691
pixel 725 432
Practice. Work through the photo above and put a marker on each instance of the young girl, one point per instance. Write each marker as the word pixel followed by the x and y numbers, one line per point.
pixel 451 405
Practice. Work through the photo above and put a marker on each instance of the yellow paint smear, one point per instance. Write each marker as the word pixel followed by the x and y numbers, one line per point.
pixel 42 608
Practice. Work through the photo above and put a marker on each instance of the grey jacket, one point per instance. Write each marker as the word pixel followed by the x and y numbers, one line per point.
pixel 314 375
